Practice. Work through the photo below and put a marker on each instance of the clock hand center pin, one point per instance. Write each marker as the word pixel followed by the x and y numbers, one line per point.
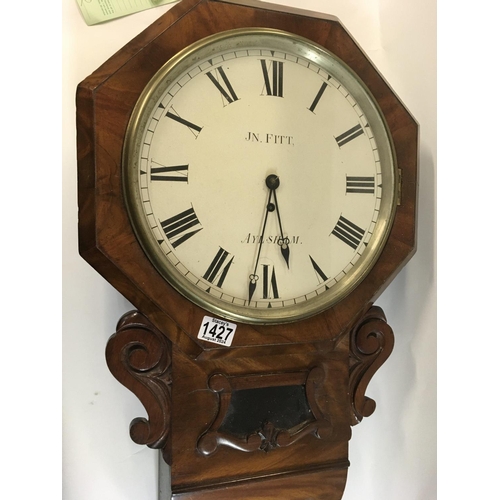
pixel 272 182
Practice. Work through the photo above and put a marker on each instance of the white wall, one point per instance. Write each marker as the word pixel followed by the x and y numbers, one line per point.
pixel 393 452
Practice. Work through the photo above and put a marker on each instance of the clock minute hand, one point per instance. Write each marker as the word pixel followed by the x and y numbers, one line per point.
pixel 252 285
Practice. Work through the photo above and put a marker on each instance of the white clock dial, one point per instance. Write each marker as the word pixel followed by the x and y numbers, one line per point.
pixel 259 176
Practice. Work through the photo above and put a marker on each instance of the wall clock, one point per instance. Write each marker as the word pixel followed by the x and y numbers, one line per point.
pixel 247 180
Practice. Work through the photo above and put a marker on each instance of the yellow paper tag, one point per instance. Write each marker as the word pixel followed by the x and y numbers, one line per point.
pixel 99 11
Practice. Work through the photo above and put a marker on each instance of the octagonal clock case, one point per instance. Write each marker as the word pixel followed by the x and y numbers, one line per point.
pixel 247 180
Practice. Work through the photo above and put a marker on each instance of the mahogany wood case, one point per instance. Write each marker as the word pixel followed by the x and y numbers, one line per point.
pixel 193 390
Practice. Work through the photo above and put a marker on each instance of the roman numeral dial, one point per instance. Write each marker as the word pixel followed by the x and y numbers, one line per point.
pixel 320 93
pixel 223 86
pixel 193 128
pixel 216 273
pixel 273 77
pixel 258 175
pixel 349 135
pixel 179 228
pixel 178 173
pixel 269 282
pixel 348 232
pixel 319 272
pixel 361 185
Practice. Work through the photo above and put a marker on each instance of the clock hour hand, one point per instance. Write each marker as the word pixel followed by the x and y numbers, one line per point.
pixel 273 183
pixel 252 285
pixel 283 241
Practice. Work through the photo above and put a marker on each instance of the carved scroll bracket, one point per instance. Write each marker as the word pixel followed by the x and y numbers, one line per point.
pixel 139 356
pixel 371 343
